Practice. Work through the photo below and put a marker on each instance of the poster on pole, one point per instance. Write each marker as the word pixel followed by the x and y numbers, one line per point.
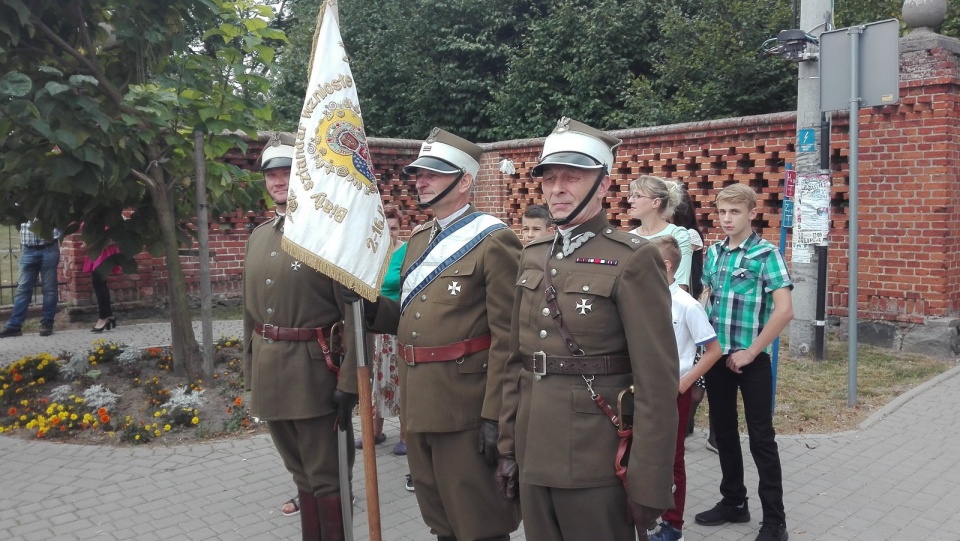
pixel 812 215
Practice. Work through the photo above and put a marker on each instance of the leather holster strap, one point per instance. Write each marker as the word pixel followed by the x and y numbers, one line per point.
pixel 293 334
pixel 600 365
pixel 415 354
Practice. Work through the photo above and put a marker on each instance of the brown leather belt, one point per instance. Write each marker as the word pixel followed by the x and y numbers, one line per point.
pixel 542 364
pixel 293 334
pixel 415 354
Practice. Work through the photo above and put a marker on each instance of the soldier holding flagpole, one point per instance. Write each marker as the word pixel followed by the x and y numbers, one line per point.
pixel 453 325
pixel 293 360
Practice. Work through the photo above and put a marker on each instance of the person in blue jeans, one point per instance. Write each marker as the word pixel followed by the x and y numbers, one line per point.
pixel 38 255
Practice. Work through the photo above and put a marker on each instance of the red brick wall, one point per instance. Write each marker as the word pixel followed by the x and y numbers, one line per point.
pixel 909 171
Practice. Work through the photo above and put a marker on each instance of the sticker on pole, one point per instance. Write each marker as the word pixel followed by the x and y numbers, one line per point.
pixel 806 140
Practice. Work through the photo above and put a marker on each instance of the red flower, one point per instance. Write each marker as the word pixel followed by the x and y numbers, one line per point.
pixel 101 412
pixel 238 401
pixel 104 418
pixel 12 412
pixel 17 377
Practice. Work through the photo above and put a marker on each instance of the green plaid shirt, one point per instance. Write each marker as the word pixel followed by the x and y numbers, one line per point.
pixel 742 280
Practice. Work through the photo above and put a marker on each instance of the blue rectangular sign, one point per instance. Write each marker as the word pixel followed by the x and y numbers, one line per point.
pixel 806 140
pixel 787 219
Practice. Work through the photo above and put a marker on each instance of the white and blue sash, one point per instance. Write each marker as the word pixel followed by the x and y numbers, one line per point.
pixel 447 248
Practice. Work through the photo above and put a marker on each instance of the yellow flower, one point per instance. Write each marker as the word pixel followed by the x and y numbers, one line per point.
pixel 137 437
pixel 166 427
pixel 24 418
pixel 156 414
pixel 100 352
pixel 92 358
pixel 156 433
pixel 73 417
pixel 195 420
pixel 41 381
pixel 24 402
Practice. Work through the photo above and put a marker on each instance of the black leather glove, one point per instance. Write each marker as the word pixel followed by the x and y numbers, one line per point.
pixel 344 403
pixel 350 296
pixel 508 477
pixel 487 441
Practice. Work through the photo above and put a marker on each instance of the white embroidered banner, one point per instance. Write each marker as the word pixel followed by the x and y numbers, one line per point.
pixel 335 220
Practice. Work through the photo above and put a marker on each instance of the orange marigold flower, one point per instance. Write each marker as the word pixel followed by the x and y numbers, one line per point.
pixel 238 401
pixel 54 421
pixel 102 411
pixel 17 377
pixel 13 412
pixel 104 418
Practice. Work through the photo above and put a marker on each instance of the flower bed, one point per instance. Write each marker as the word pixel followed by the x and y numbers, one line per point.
pixel 114 393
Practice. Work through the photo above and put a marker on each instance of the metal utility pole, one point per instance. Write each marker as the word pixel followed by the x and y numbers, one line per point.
pixel 814 15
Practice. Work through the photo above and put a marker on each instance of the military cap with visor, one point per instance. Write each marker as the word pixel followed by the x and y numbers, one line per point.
pixel 575 144
pixel 278 152
pixel 445 153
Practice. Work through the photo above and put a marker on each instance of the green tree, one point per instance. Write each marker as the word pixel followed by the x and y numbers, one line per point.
pixel 707 64
pixel 577 59
pixel 417 63
pixel 99 100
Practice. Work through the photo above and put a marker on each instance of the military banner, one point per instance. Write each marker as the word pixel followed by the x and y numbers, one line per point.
pixel 335 220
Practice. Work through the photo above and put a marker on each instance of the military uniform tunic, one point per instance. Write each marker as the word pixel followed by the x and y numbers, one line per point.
pixel 614 299
pixel 290 380
pixel 447 400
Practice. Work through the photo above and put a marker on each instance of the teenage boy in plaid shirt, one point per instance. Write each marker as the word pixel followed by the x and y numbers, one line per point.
pixel 749 306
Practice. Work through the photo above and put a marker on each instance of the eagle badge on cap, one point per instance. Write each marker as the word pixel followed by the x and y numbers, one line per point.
pixel 432 138
pixel 562 125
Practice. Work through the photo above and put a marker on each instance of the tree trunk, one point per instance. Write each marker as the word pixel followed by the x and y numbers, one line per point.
pixel 187 358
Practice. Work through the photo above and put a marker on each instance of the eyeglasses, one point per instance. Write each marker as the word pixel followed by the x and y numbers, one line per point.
pixel 639 196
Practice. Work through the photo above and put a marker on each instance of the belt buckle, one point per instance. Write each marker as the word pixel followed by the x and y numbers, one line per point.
pixel 263 331
pixel 543 358
pixel 408 355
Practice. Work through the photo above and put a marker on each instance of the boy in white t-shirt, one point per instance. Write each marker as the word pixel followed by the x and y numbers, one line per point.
pixel 692 329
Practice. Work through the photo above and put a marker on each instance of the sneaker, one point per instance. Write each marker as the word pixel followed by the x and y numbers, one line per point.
pixel 8 331
pixel 45 329
pixel 711 444
pixel 409 483
pixel 400 449
pixel 667 533
pixel 772 532
pixel 722 513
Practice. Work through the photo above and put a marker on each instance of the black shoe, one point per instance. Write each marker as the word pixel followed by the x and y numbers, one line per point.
pixel 722 513
pixel 8 331
pixel 772 532
pixel 46 329
pixel 409 484
pixel 108 324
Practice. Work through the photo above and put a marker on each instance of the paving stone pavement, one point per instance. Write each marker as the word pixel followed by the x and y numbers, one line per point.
pixel 896 477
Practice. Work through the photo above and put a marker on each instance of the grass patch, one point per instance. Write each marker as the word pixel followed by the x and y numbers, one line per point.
pixel 812 396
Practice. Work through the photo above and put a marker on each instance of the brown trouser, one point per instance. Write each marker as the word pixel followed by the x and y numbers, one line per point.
pixel 456 489
pixel 308 448
pixel 576 514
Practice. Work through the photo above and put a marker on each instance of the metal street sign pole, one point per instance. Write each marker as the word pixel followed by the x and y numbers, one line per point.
pixel 854 224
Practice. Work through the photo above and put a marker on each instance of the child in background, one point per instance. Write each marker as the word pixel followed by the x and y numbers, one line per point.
pixel 534 223
pixel 692 330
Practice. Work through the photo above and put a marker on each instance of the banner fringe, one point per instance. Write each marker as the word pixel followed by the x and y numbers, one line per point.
pixel 338 274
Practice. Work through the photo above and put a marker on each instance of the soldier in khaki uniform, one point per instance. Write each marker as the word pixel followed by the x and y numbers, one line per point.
pixel 291 358
pixel 453 336
pixel 612 298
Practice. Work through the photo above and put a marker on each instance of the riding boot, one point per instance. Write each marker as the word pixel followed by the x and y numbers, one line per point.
pixel 331 518
pixel 309 517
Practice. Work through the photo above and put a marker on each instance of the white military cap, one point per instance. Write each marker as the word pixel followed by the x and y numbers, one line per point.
pixel 577 145
pixel 446 153
pixel 277 153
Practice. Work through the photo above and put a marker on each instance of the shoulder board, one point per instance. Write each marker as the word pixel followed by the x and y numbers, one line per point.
pixel 541 240
pixel 623 237
pixel 425 226
pixel 268 222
